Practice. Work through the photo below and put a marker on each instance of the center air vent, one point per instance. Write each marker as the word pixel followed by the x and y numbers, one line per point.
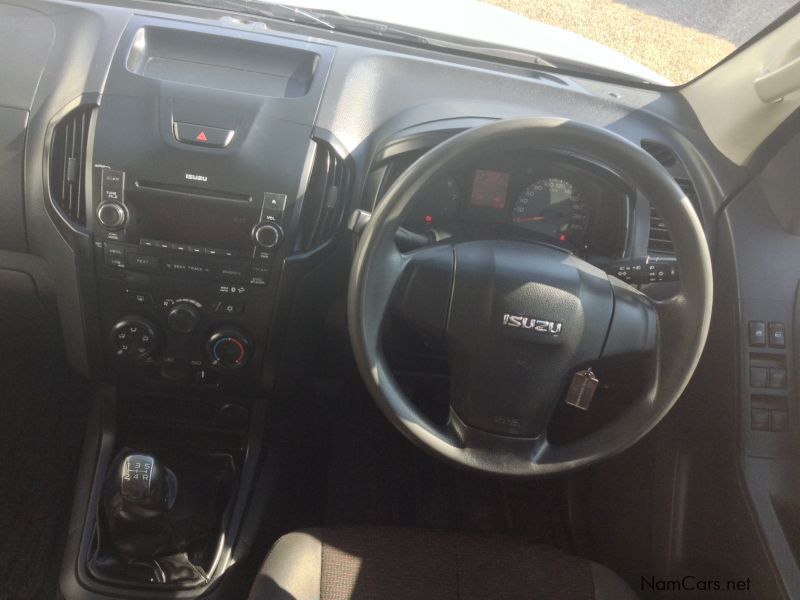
pixel 68 164
pixel 325 198
pixel 660 241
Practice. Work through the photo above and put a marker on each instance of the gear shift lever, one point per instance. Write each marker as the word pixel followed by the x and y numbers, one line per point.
pixel 146 487
pixel 137 501
pixel 150 530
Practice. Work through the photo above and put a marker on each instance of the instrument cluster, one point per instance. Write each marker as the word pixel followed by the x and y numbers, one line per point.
pixel 555 199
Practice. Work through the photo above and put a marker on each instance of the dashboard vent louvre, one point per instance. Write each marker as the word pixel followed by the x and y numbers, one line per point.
pixel 660 241
pixel 68 164
pixel 326 197
pixel 688 188
pixel 660 152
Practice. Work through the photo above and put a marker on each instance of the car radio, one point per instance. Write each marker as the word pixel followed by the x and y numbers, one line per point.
pixel 184 231
pixel 185 274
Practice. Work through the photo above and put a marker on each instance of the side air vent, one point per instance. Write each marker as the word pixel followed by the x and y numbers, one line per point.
pixel 660 152
pixel 660 240
pixel 326 197
pixel 68 164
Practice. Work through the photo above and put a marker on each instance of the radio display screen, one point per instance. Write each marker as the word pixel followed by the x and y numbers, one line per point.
pixel 195 221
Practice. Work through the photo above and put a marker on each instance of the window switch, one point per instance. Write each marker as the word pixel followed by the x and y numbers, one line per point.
pixel 758 377
pixel 759 419
pixel 777 378
pixel 780 420
pixel 757 333
pixel 777 334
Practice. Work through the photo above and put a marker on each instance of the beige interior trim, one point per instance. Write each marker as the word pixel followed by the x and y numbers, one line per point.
pixel 743 101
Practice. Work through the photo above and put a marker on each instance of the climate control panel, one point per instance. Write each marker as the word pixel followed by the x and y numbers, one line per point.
pixel 228 348
pixel 184 316
pixel 134 338
pixel 168 330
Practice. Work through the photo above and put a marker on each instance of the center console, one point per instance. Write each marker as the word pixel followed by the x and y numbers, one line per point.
pixel 197 161
pixel 196 177
pixel 187 278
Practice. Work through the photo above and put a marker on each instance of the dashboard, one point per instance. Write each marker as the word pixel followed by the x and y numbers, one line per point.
pixel 176 185
pixel 181 197
pixel 206 167
pixel 551 198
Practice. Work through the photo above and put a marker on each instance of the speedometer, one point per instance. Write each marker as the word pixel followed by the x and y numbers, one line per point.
pixel 553 207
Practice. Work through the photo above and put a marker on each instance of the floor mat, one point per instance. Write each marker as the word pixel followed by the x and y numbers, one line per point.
pixel 377 477
pixel 43 410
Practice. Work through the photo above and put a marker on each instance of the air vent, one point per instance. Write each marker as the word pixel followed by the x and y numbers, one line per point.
pixel 660 241
pixel 68 164
pixel 688 188
pixel 326 197
pixel 660 152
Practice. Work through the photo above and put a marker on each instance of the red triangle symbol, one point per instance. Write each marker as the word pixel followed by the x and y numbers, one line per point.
pixel 201 137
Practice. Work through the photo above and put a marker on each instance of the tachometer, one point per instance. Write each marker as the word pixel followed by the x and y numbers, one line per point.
pixel 438 203
pixel 553 207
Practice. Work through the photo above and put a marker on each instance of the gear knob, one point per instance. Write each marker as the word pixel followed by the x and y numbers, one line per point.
pixel 143 480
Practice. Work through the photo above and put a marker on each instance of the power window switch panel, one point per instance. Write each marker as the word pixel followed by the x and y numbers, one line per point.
pixel 777 334
pixel 780 420
pixel 777 378
pixel 759 419
pixel 758 377
pixel 757 333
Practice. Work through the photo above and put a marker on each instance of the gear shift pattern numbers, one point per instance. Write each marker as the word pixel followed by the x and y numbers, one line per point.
pixel 137 475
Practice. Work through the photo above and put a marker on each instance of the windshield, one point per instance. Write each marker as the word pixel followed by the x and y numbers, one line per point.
pixel 666 42
pixel 678 39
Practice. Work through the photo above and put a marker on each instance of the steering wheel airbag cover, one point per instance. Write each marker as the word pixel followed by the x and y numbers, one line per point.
pixel 683 320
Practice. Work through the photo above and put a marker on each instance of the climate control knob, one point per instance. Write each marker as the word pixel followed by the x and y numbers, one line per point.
pixel 183 317
pixel 268 235
pixel 112 215
pixel 228 348
pixel 134 338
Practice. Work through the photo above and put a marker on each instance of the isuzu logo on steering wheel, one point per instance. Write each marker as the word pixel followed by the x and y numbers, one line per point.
pixel 537 325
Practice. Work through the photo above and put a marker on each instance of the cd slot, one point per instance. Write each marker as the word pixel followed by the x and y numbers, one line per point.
pixel 187 191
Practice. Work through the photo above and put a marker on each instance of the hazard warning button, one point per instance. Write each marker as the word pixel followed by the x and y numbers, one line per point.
pixel 202 135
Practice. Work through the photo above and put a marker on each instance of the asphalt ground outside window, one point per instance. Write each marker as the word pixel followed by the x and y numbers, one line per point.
pixel 679 39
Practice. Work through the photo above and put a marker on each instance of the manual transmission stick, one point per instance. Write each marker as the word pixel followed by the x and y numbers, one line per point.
pixel 150 529
pixel 144 482
pixel 137 501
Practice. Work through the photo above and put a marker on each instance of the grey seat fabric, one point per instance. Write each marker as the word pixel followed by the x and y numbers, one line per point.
pixel 366 563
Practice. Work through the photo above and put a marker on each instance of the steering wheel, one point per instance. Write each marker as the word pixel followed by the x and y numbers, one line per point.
pixel 507 381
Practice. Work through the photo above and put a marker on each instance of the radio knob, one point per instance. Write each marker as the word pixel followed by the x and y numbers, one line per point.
pixel 183 317
pixel 134 338
pixel 228 348
pixel 112 215
pixel 268 235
